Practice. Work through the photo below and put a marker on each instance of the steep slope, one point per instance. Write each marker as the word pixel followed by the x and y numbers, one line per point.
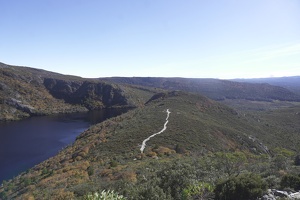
pixel 109 152
pixel 26 91
pixel 214 88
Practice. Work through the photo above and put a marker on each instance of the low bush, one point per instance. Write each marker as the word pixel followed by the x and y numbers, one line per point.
pixel 200 190
pixel 297 160
pixel 290 181
pixel 245 186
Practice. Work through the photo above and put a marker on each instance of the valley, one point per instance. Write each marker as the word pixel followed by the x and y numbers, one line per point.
pixel 214 132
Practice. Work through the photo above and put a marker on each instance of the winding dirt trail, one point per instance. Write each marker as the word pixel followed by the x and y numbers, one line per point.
pixel 165 127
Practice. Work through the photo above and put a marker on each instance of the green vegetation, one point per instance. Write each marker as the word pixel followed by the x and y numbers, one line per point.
pixel 291 181
pixel 205 143
pixel 198 190
pixel 208 151
pixel 246 186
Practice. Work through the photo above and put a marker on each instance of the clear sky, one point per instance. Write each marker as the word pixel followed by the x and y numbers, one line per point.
pixel 162 38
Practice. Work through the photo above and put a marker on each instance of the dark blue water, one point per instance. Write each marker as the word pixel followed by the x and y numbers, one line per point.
pixel 28 142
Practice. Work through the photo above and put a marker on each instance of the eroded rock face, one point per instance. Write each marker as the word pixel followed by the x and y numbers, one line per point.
pixel 26 91
pixel 61 89
pixel 19 105
pixel 93 95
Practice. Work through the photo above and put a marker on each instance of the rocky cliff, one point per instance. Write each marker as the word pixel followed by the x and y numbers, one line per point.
pixel 93 95
pixel 26 91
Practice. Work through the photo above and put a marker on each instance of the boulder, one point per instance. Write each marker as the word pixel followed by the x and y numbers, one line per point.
pixel 281 193
pixel 273 194
pixel 295 195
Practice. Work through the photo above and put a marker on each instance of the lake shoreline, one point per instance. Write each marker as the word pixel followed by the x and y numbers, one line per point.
pixel 23 144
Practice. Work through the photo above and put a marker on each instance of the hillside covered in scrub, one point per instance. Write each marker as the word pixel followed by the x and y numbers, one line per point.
pixel 204 142
pixel 195 147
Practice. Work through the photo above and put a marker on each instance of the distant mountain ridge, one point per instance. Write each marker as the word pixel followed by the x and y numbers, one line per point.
pixel 292 82
pixel 214 88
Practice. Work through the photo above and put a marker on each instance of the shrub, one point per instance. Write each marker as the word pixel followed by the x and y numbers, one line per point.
pixel 231 163
pixel 27 181
pixel 297 160
pixel 3 195
pixel 129 176
pixel 113 163
pixel 246 187
pixel 272 181
pixel 176 177
pixel 179 149
pixel 290 181
pixel 61 194
pixel 148 192
pixel 90 170
pixel 199 190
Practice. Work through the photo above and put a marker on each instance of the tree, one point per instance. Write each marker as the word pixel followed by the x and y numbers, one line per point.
pixel 231 163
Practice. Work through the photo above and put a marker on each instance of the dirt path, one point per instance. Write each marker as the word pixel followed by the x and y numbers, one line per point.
pixel 165 127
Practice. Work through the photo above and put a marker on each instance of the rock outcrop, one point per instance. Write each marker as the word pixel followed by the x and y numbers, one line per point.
pixel 276 194
pixel 93 95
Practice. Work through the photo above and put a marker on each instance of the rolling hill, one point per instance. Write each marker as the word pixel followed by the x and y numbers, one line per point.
pixel 292 83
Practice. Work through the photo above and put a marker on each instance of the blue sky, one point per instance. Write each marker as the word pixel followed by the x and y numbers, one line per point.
pixel 164 38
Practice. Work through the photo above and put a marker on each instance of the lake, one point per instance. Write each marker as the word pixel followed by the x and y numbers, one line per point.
pixel 28 142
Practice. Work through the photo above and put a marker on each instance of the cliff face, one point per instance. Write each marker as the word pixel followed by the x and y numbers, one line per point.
pixel 93 95
pixel 25 92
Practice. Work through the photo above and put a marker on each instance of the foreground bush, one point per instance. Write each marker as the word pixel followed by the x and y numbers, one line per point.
pixel 290 181
pixel 246 187
pixel 200 190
